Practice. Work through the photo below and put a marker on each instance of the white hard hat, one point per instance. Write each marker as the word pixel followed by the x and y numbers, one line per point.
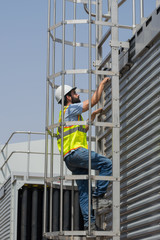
pixel 58 92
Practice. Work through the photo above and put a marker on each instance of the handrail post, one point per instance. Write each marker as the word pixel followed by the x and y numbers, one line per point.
pixel 5 165
pixel 28 156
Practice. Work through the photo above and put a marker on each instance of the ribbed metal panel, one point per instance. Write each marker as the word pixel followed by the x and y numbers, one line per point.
pixel 5 210
pixel 30 206
pixel 140 147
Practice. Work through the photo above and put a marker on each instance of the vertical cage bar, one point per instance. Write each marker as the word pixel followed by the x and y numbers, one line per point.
pixel 115 120
pixel 74 43
pixel 62 114
pixel 72 206
pixel 52 121
pixel 98 57
pixel 73 84
pixel 47 120
pixel 89 143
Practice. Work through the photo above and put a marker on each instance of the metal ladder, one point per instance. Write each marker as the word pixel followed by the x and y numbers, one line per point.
pixel 54 78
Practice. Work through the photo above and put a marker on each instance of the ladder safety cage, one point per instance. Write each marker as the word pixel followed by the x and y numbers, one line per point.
pixel 64 31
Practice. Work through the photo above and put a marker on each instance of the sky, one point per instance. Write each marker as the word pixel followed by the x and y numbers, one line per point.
pixel 23 53
pixel 23 62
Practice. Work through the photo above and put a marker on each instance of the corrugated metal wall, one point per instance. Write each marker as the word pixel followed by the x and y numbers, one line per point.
pixel 140 147
pixel 5 210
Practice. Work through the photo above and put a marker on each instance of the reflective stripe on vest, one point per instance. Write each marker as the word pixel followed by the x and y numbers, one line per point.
pixel 73 136
pixel 72 130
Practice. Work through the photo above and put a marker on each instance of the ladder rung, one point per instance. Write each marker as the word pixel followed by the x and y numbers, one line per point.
pixel 110 178
pixel 51 235
pixel 81 123
pixel 103 124
pixel 109 73
pixel 82 177
pixel 105 233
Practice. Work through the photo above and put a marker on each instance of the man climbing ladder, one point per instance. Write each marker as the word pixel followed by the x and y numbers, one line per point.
pixel 75 147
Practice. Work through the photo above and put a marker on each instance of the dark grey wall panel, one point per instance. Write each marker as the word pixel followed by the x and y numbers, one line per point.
pixel 30 208
pixel 5 210
pixel 140 146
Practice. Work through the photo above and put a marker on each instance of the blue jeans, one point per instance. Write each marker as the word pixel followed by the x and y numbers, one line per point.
pixel 77 163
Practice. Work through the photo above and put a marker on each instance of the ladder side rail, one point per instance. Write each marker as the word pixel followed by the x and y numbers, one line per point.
pixel 47 122
pixel 73 84
pixel 74 44
pixel 89 113
pixel 115 120
pixel 99 58
pixel 62 114
pixel 52 121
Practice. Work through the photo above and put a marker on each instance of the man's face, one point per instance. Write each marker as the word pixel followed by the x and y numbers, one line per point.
pixel 75 97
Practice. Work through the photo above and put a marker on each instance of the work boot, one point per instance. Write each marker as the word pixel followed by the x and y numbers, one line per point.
pixel 94 227
pixel 99 202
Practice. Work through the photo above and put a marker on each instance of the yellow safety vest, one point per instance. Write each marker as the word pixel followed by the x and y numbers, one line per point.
pixel 73 137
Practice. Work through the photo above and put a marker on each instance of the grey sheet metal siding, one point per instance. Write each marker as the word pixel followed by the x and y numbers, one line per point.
pixel 5 210
pixel 140 147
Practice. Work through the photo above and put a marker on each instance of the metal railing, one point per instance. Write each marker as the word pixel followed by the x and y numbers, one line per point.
pixel 5 155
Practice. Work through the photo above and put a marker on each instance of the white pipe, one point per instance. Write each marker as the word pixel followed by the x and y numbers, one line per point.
pixel 134 15
pixel 142 10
